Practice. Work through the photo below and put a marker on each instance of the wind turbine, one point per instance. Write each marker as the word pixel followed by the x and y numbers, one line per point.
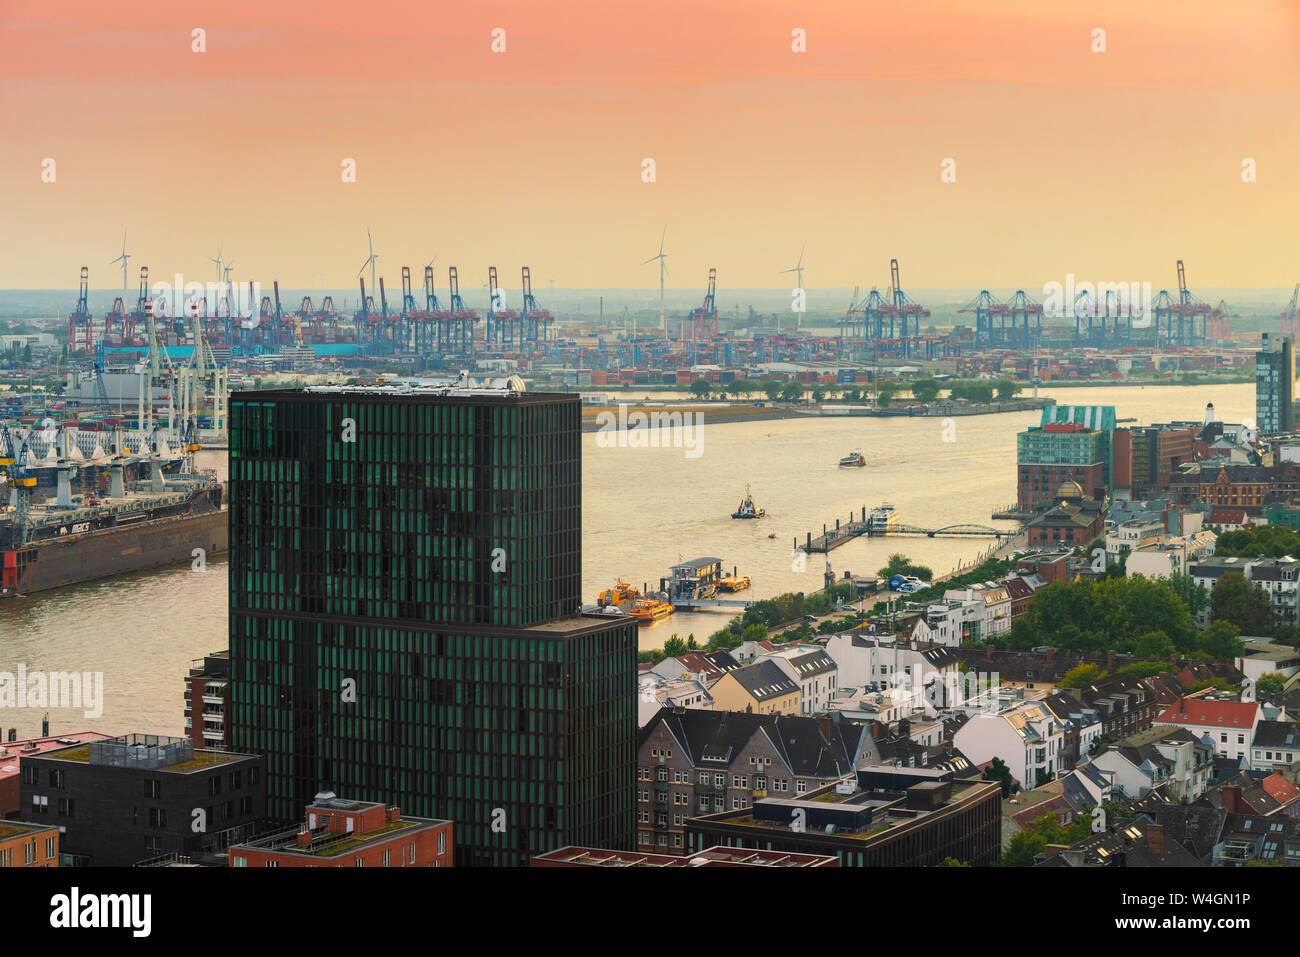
pixel 218 261
pixel 663 271
pixel 796 268
pixel 122 259
pixel 224 289
pixel 370 261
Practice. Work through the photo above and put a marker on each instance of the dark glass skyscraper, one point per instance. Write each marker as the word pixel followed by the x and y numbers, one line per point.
pixel 405 568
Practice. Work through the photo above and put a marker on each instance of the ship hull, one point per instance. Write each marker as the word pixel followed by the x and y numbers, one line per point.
pixel 110 552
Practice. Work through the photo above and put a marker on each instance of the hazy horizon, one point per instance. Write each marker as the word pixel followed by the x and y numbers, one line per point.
pixel 1108 163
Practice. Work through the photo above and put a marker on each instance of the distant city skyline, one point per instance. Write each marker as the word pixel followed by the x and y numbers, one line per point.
pixel 1110 165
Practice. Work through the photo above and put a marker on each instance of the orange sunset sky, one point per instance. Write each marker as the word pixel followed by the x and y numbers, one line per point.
pixel 1107 165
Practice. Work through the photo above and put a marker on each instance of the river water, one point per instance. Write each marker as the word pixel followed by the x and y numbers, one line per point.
pixel 644 509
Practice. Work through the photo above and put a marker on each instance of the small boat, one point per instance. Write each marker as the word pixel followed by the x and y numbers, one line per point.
pixel 747 508
pixel 734 583
pixel 773 535
pixel 854 460
pixel 651 609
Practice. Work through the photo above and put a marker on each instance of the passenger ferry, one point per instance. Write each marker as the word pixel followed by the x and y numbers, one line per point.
pixel 651 609
pixel 882 519
pixel 747 508
pixel 854 460
pixel 620 593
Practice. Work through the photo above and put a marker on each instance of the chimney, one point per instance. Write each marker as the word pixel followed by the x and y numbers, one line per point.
pixel 988 652
pixel 1047 656
pixel 304 837
pixel 45 725
pixel 393 815
pixel 1110 660
pixel 1156 839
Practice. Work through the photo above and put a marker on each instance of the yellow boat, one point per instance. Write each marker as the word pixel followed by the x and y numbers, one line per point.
pixel 736 583
pixel 651 609
pixel 620 593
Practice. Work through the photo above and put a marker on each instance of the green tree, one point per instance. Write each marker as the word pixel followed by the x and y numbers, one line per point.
pixel 1193 595
pixel 998 771
pixel 1270 541
pixel 1023 848
pixel 925 390
pixel 1081 675
pixel 1271 682
pixel 1287 635
pixel 792 391
pixel 1241 603
pixel 899 564
pixel 772 389
pixel 1153 644
pixel 1007 389
pixel 745 387
pixel 819 393
pixel 1220 641
pixel 754 633
pixel 674 647
pixel 701 388
pixel 951 862
pixel 885 394
pixel 1145 669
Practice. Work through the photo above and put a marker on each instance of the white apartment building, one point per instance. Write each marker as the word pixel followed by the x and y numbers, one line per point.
pixel 878 662
pixel 1026 736
pixel 812 669
pixel 1229 726
pixel 1171 557
pixel 1133 534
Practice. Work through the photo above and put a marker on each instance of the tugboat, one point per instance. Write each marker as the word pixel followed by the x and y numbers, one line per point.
pixel 649 610
pixel 854 460
pixel 747 508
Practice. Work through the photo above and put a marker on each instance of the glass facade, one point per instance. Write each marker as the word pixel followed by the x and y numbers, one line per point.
pixel 403 617
pixel 426 509
pixel 1275 385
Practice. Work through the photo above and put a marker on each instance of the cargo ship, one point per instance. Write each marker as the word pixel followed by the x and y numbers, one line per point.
pixel 118 515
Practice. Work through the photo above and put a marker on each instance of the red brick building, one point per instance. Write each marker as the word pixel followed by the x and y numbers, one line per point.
pixel 1075 521
pixel 342 833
